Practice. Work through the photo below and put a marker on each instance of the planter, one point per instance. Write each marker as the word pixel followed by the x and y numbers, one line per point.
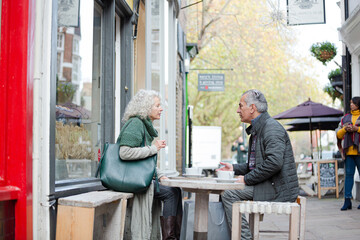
pixel 324 52
pixel 61 171
pixel 81 168
pixel 336 79
pixel 326 55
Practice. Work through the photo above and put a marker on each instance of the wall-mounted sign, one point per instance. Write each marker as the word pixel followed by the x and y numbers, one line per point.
pixel 211 82
pixel 68 13
pixel 301 12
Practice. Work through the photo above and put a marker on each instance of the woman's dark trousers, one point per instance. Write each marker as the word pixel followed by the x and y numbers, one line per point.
pixel 172 211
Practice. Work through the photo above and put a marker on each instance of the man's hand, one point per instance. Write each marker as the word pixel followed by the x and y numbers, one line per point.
pixel 227 167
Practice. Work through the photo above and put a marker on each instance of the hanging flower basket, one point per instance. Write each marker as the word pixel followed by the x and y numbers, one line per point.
pixel 325 55
pixel 324 52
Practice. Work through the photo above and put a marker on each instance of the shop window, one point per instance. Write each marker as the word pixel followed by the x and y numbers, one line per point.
pixel 78 95
pixel 155 45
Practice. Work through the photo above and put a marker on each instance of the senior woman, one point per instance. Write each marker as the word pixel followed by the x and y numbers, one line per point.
pixel 139 115
pixel 350 133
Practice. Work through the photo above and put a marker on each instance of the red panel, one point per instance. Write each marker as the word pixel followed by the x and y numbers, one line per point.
pixel 9 193
pixel 3 92
pixel 17 39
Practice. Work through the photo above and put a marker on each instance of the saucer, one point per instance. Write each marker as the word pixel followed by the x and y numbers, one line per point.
pixel 193 175
pixel 232 180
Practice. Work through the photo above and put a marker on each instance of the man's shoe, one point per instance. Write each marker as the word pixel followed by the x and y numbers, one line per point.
pixel 347 204
pixel 359 207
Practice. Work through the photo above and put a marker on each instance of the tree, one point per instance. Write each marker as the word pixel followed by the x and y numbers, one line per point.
pixel 238 35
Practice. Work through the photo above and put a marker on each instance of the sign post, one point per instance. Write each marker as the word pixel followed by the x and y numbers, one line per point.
pixel 211 82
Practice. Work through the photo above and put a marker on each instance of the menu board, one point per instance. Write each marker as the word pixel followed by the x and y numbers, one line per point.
pixel 327 176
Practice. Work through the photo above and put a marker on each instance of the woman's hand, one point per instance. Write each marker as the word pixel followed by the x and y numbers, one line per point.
pixel 351 128
pixel 160 144
pixel 163 177
pixel 227 167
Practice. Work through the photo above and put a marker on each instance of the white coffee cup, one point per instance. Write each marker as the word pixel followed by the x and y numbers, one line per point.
pixel 193 171
pixel 225 174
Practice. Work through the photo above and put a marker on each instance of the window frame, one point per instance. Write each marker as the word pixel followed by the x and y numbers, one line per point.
pixel 70 187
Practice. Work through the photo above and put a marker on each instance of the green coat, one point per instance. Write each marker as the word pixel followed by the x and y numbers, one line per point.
pixel 274 177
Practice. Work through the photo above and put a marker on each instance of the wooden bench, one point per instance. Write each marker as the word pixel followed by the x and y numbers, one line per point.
pixel 256 210
pixel 92 215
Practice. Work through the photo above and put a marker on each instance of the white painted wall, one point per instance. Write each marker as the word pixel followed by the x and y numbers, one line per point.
pixel 41 120
pixel 355 74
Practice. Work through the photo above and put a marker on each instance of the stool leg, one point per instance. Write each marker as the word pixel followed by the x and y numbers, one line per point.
pixel 254 222
pixel 123 203
pixel 302 203
pixel 236 222
pixel 294 223
pixel 75 223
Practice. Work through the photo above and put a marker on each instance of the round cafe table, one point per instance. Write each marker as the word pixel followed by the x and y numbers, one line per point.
pixel 202 187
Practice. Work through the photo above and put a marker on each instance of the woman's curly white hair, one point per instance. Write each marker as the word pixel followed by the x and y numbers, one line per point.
pixel 141 104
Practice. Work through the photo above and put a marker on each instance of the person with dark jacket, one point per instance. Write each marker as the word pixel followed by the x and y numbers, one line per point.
pixel 349 132
pixel 270 173
pixel 241 152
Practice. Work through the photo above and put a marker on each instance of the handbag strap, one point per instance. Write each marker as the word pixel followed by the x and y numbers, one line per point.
pixel 157 188
pixel 102 156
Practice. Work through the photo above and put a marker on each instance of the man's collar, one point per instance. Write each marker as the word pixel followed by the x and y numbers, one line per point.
pixel 255 119
pixel 257 123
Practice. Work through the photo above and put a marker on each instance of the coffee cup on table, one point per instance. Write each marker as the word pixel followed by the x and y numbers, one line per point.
pixel 193 171
pixel 225 174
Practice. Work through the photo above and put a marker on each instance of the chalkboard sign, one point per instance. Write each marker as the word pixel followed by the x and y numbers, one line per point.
pixel 327 176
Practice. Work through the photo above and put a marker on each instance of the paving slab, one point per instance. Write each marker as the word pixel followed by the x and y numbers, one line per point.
pixel 324 220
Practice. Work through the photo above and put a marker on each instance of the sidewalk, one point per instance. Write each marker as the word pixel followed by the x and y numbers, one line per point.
pixel 324 220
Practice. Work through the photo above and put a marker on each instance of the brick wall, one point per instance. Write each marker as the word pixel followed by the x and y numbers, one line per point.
pixel 7 220
pixel 179 118
pixel 179 96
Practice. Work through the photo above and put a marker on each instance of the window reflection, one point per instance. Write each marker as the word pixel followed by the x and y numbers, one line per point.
pixel 78 135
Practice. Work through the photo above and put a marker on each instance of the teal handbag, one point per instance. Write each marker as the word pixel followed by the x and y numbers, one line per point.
pixel 132 176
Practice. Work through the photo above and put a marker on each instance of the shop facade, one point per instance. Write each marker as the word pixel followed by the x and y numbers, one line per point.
pixel 68 70
pixel 349 35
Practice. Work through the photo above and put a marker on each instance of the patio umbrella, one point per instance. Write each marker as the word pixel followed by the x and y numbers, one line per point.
pixel 309 109
pixel 318 123
pixel 321 123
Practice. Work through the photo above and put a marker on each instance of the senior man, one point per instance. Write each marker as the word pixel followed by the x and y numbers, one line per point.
pixel 270 171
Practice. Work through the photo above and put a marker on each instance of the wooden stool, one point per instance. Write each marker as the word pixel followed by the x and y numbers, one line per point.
pixel 92 215
pixel 256 210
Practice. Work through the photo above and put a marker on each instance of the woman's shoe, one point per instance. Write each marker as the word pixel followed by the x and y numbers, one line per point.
pixel 347 204
pixel 168 227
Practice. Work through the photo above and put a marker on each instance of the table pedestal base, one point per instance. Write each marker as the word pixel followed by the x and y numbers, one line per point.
pixel 200 235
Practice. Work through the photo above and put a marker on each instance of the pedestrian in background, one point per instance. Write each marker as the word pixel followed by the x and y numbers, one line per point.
pixel 270 172
pixel 139 115
pixel 349 133
pixel 241 152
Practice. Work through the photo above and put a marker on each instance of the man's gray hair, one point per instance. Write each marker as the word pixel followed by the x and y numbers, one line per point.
pixel 257 98
pixel 141 104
